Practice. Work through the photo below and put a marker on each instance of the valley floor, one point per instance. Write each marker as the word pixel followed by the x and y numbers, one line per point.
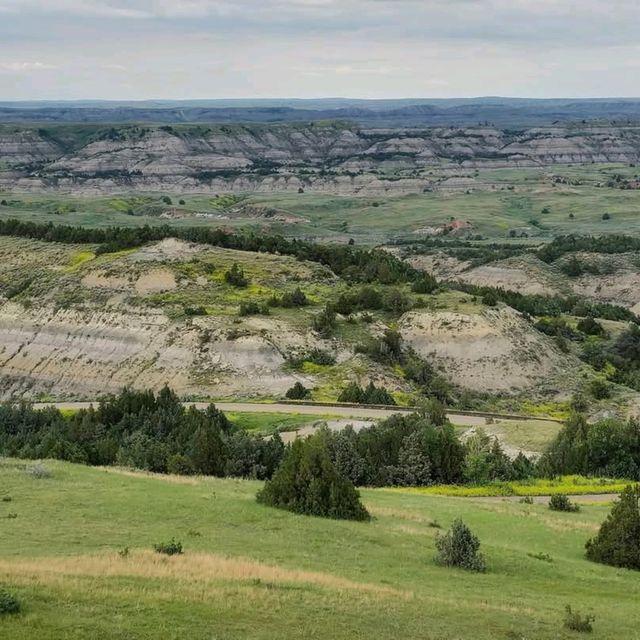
pixel 249 571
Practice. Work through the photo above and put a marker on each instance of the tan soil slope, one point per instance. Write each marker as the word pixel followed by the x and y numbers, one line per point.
pixel 84 353
pixel 493 351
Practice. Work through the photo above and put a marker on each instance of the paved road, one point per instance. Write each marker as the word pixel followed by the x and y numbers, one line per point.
pixel 299 409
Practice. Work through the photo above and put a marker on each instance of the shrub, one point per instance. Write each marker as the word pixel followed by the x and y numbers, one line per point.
pixel 325 322
pixel 606 216
pixel 590 326
pixel 618 541
pixel 171 548
pixel 369 395
pixel 253 308
pixel 295 298
pixel 166 200
pixel 600 389
pixel 561 502
pixel 235 277
pixel 576 622
pixel 297 392
pixel 308 482
pixel 9 604
pixel 459 547
pixel 39 471
pixel 426 283
pixel 124 552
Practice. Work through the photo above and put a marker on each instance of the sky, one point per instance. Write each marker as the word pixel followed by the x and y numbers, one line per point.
pixel 188 49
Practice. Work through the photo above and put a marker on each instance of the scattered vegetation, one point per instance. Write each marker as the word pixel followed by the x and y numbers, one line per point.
pixel 561 502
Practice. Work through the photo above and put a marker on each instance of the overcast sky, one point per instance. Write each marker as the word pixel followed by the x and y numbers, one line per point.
pixel 182 49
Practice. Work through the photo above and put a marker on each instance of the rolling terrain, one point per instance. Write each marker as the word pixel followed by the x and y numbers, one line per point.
pixel 253 572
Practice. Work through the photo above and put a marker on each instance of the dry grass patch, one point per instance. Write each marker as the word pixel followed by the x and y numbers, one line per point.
pixel 186 570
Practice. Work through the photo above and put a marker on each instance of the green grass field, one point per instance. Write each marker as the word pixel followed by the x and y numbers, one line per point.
pixel 503 199
pixel 253 572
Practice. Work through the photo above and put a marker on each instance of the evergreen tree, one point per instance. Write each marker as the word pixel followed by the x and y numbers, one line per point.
pixel 308 482
pixel 618 541
pixel 459 547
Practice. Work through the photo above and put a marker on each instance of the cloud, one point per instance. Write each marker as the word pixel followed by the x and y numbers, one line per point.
pixel 24 67
pixel 218 48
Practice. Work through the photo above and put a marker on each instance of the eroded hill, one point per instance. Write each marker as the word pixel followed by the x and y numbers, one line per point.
pixel 74 324
pixel 332 158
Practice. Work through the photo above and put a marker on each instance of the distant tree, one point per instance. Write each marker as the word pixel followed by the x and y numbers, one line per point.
pixel 325 322
pixel 618 541
pixel 235 277
pixel 296 298
pixel 590 326
pixel 308 482
pixel 167 200
pixel 425 283
pixel 606 216
pixel 298 392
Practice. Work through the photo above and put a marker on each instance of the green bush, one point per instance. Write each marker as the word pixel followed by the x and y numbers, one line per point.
pixel 459 547
pixel 561 502
pixel 235 277
pixel 324 323
pixel 295 298
pixel 171 548
pixel 371 394
pixel 298 392
pixel 308 482
pixel 576 622
pixel 618 541
pixel 9 604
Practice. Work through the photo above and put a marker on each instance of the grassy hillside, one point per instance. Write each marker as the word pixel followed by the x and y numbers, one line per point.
pixel 252 572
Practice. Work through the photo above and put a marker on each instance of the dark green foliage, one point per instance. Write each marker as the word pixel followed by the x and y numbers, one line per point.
pixel 484 460
pixel 166 200
pixel 540 305
pixel 352 264
pixel 591 327
pixel 195 311
pixel 588 244
pixel 459 548
pixel 561 502
pixel 9 604
pixel 253 309
pixel 316 356
pixel 295 298
pixel 235 277
pixel 171 548
pixel 600 389
pixel 490 298
pixel 325 322
pixel 576 622
pixel 141 429
pixel 606 216
pixel 608 448
pixel 308 482
pixel 425 283
pixel 297 392
pixel 400 450
pixel 386 350
pixel 618 541
pixel 355 394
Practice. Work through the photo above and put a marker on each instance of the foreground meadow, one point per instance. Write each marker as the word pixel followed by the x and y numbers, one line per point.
pixel 249 571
